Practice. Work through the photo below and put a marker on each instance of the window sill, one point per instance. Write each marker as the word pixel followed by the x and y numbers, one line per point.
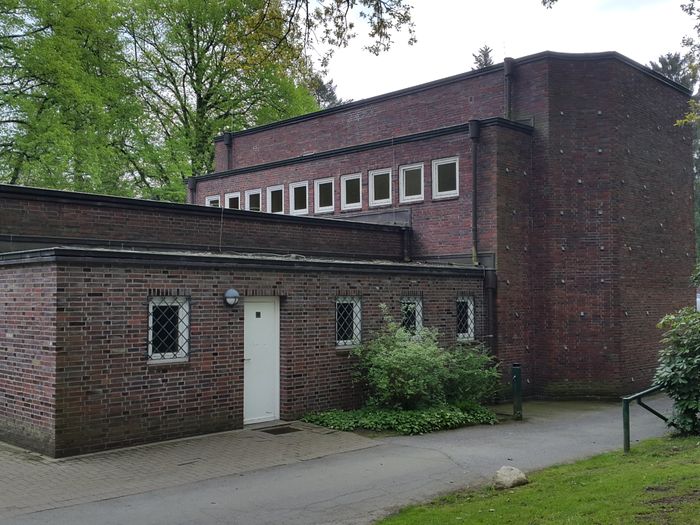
pixel 381 204
pixel 446 198
pixel 411 201
pixel 168 362
pixel 344 350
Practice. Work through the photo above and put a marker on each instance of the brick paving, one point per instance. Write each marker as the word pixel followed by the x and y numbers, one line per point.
pixel 30 482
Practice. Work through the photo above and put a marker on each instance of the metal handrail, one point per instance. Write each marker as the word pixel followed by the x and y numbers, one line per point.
pixel 626 412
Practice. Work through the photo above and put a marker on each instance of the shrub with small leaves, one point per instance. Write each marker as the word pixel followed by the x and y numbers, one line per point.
pixel 402 369
pixel 472 374
pixel 407 369
pixel 402 421
pixel 679 368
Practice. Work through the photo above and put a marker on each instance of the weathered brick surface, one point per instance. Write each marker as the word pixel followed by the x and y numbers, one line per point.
pixel 107 395
pixel 35 218
pixel 517 317
pixel 592 246
pixel 28 356
pixel 597 302
pixel 476 95
pixel 440 227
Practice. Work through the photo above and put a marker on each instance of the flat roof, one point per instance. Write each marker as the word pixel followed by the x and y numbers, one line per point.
pixel 253 261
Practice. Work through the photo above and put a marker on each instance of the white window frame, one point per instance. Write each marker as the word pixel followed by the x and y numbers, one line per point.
pixel 434 173
pixel 270 189
pixel 471 327
pixel 343 204
pixel 248 194
pixel 402 183
pixel 356 302
pixel 379 202
pixel 211 198
pixel 292 202
pixel 317 207
pixel 228 196
pixel 417 303
pixel 183 350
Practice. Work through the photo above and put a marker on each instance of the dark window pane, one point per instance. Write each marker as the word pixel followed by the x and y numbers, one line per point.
pixel 234 203
pixel 345 326
pixel 214 203
pixel 300 198
pixel 408 316
pixel 165 329
pixel 413 182
pixel 254 202
pixel 447 177
pixel 381 186
pixel 411 314
pixel 325 195
pixel 352 191
pixel 465 318
pixel 276 201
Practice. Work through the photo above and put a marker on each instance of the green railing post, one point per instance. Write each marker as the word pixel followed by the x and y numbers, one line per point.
pixel 517 393
pixel 626 424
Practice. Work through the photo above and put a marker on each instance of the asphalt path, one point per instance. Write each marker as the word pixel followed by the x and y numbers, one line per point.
pixel 361 486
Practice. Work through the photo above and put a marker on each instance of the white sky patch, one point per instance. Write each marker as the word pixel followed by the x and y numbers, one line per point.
pixel 449 31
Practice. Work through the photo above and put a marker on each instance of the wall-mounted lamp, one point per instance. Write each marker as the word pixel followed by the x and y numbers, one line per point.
pixel 231 297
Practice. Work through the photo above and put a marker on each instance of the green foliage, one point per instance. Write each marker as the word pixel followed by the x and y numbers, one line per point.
pixel 403 369
pixel 66 107
pixel 483 58
pixel 125 97
pixel 402 421
pixel 472 375
pixel 679 368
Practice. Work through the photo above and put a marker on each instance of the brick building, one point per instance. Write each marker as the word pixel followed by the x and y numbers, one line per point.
pixel 543 205
pixel 563 172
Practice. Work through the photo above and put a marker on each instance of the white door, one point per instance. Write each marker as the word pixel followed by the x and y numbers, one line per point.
pixel 261 349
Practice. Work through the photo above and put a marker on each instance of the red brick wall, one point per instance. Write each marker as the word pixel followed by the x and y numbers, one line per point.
pixel 573 308
pixel 440 227
pixel 28 356
pixel 585 343
pixel 107 395
pixel 653 211
pixel 517 316
pixel 470 96
pixel 33 218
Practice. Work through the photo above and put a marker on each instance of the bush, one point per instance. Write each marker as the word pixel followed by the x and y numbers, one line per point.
pixel 401 369
pixel 406 370
pixel 402 421
pixel 679 368
pixel 472 375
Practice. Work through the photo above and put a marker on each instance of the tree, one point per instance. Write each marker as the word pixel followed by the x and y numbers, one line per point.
pixel 126 97
pixel 66 104
pixel 324 92
pixel 678 68
pixel 482 58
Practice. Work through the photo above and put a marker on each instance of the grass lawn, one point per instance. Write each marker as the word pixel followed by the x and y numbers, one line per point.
pixel 657 483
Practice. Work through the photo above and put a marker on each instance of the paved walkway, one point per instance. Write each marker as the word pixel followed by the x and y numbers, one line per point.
pixel 312 476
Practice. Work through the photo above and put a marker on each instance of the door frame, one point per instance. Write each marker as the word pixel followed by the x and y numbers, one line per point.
pixel 275 380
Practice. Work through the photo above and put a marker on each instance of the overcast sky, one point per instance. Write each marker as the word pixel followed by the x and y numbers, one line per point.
pixel 449 31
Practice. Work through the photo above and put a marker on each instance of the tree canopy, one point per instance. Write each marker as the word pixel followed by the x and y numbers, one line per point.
pixel 125 97
pixel 482 58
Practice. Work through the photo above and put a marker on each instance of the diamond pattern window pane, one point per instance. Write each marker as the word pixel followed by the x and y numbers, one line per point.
pixel 412 313
pixel 348 321
pixel 465 318
pixel 168 328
